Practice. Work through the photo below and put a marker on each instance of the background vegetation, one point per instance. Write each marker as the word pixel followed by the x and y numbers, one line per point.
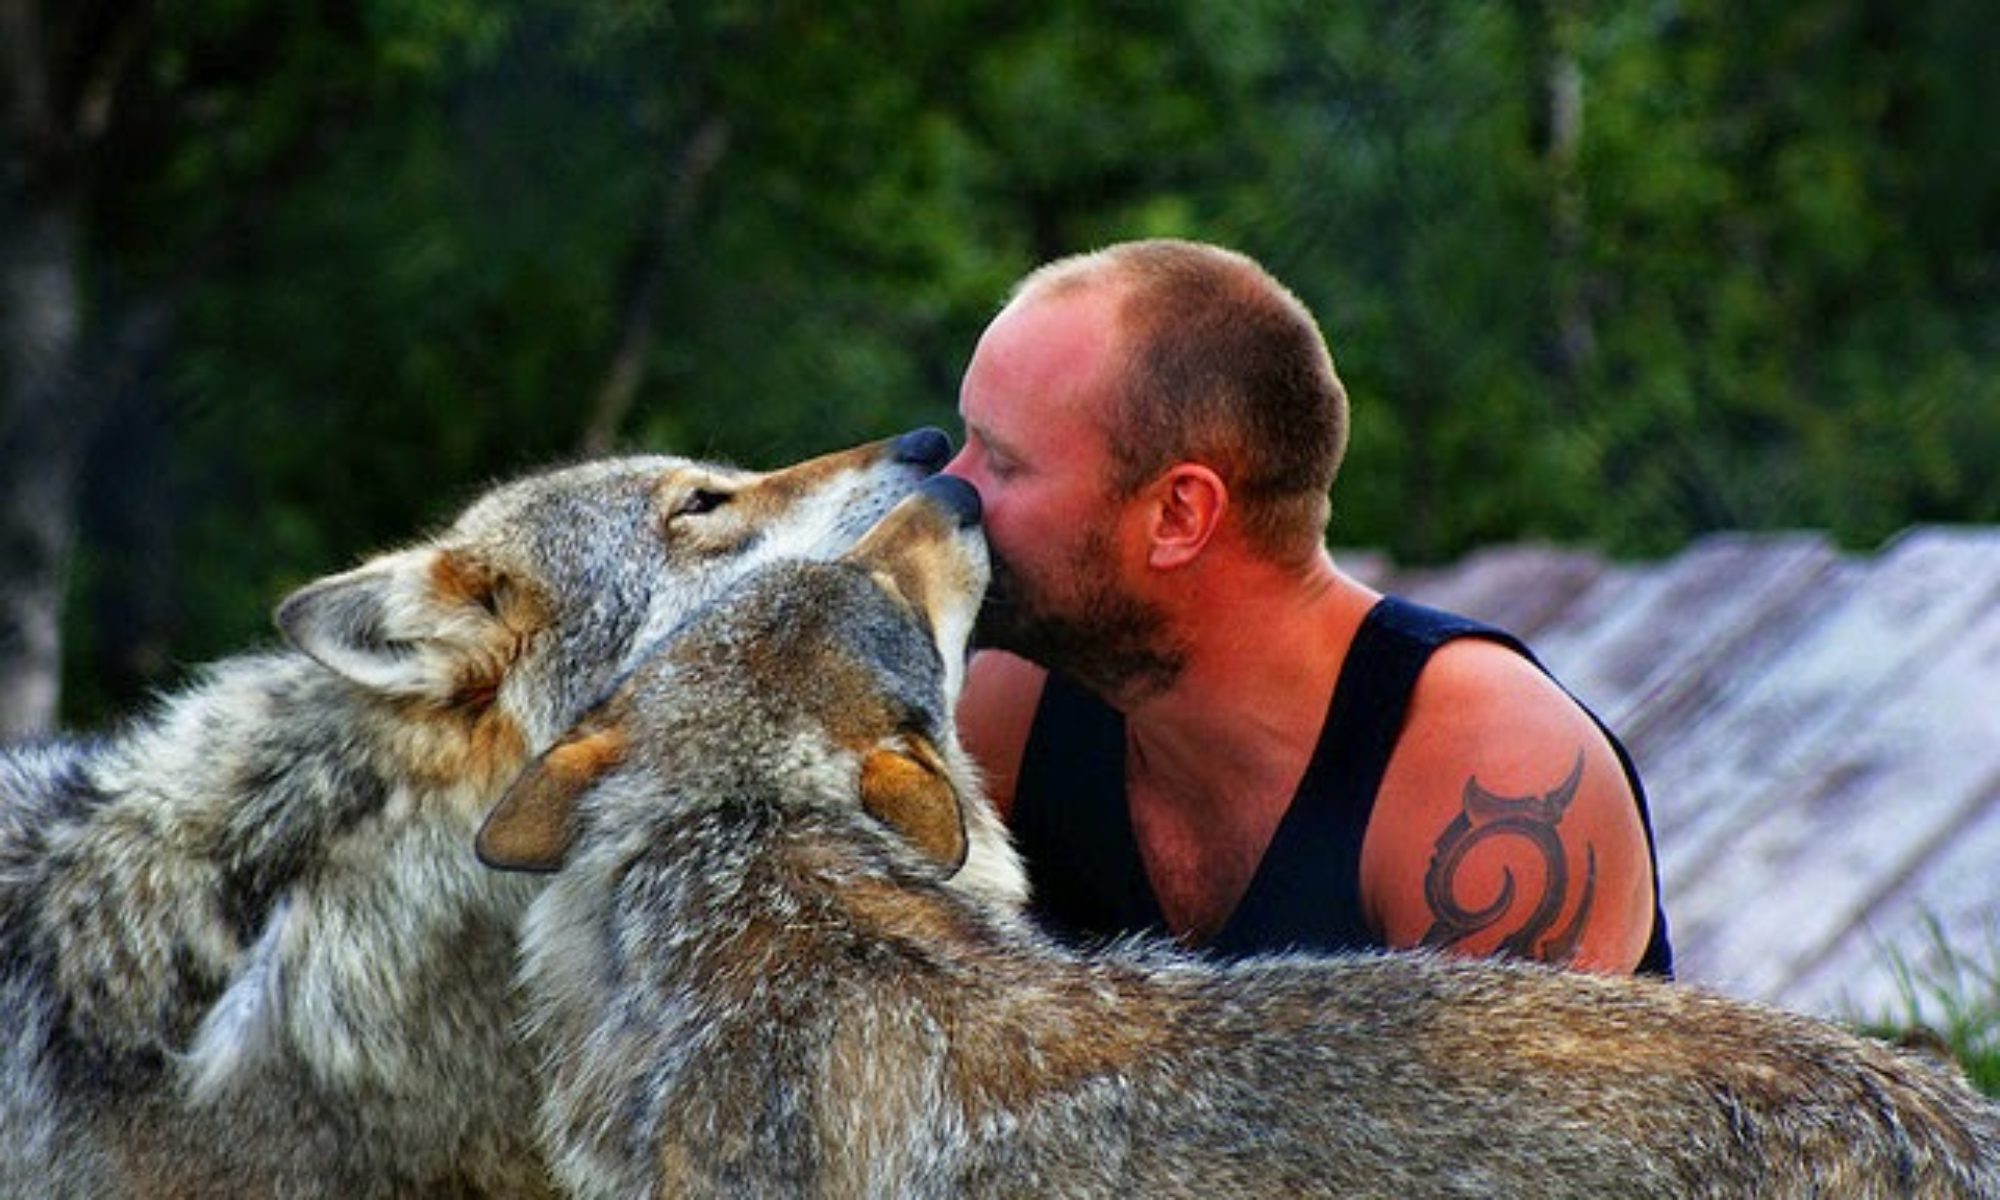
pixel 1955 1001
pixel 285 280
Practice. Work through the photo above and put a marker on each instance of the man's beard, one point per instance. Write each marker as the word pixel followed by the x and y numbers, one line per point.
pixel 1112 643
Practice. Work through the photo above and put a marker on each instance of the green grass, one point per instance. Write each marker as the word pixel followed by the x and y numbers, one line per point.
pixel 1954 993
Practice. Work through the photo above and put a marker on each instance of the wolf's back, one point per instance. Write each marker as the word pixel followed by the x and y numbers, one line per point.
pixel 1412 1076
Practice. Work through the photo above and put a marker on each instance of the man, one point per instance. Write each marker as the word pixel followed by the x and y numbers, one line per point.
pixel 1192 720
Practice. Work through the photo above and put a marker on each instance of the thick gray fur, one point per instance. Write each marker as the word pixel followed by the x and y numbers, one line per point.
pixel 245 948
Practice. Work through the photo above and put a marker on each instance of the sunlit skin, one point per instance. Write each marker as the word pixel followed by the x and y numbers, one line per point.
pixel 1215 755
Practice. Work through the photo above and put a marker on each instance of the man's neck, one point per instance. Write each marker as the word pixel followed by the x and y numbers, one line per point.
pixel 1243 717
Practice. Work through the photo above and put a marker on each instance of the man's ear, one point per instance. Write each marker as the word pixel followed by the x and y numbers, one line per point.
pixel 533 825
pixel 404 624
pixel 906 789
pixel 1189 502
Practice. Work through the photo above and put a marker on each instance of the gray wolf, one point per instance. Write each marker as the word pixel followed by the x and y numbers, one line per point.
pixel 245 949
pixel 783 954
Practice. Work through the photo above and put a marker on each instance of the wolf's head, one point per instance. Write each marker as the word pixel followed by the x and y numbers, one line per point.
pixel 525 609
pixel 815 684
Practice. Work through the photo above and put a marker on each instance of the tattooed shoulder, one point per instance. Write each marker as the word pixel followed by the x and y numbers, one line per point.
pixel 1506 828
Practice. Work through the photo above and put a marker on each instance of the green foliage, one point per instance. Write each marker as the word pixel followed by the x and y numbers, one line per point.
pixel 1787 340
pixel 1751 279
pixel 1950 993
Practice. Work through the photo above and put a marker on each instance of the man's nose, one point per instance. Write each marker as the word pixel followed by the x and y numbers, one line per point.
pixel 961 465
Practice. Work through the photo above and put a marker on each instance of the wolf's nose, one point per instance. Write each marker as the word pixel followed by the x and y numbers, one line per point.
pixel 955 496
pixel 926 447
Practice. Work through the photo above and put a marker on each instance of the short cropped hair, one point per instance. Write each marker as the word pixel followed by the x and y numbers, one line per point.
pixel 1220 365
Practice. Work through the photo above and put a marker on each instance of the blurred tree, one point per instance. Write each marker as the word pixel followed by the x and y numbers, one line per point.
pixel 143 155
pixel 285 281
pixel 1795 266
pixel 61 80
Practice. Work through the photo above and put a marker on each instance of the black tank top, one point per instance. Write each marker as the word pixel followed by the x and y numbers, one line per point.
pixel 1072 825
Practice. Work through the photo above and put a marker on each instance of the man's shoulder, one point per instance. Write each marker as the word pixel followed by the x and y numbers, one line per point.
pixel 1483 671
pixel 1501 776
pixel 1477 696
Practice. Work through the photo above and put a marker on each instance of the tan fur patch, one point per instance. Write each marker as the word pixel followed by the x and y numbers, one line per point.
pixel 911 551
pixel 459 578
pixel 472 742
pixel 915 797
pixel 1045 1040
pixel 1024 1033
pixel 849 705
pixel 463 580
pixel 804 477
pixel 531 826
pixel 759 501
pixel 445 748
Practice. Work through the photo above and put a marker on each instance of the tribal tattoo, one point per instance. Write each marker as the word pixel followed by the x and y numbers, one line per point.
pixel 1532 819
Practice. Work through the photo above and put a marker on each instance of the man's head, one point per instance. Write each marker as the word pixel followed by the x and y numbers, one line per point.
pixel 1108 382
pixel 1213 361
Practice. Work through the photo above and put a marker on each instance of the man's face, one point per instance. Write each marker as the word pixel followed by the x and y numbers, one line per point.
pixel 1033 401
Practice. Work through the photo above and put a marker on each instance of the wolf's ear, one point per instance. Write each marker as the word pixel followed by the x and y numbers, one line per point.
pixel 533 825
pixel 401 624
pixel 906 789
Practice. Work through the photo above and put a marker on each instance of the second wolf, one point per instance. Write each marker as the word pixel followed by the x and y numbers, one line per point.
pixel 245 949
pixel 784 955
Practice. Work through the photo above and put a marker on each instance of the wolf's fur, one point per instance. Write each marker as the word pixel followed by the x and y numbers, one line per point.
pixel 758 975
pixel 245 949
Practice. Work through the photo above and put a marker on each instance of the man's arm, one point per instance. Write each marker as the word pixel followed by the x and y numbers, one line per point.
pixel 1505 824
pixel 995 712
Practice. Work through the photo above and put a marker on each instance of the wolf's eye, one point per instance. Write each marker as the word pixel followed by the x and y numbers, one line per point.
pixel 701 500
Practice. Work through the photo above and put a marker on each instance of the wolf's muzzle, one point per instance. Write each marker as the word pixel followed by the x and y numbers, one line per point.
pixel 955 496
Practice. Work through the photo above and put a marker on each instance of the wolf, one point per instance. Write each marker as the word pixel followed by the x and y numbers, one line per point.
pixel 245 949
pixel 783 952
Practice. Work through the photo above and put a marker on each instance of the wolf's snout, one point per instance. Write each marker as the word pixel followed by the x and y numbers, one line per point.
pixel 955 496
pixel 927 447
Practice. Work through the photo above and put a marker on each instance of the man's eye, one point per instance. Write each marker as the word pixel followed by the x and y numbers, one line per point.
pixel 701 500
